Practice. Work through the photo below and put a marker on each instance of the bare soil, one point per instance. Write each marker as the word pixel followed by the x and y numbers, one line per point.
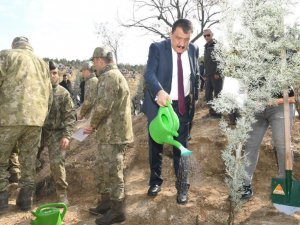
pixel 208 198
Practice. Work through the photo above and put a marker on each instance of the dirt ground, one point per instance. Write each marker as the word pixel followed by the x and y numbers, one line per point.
pixel 208 198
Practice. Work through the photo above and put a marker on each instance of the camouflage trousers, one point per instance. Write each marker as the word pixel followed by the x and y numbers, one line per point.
pixel 109 170
pixel 56 159
pixel 28 139
pixel 14 165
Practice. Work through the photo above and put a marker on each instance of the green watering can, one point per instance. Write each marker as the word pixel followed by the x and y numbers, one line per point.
pixel 49 214
pixel 164 126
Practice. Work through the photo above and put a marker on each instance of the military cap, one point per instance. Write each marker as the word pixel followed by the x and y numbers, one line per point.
pixel 18 41
pixel 102 52
pixel 52 65
pixel 87 66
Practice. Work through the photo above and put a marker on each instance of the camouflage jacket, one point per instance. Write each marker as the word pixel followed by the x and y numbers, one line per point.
pixel 90 94
pixel 62 113
pixel 112 112
pixel 25 88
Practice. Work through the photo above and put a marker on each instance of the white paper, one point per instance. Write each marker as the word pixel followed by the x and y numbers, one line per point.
pixel 232 86
pixel 79 135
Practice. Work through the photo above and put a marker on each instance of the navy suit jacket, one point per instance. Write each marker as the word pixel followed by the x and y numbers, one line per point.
pixel 158 76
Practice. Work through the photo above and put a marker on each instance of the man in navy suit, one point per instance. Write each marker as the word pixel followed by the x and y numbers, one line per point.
pixel 169 60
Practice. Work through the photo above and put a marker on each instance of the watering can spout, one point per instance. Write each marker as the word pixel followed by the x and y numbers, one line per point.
pixel 184 151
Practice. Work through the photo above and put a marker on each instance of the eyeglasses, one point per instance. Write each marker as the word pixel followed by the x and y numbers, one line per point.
pixel 54 72
pixel 206 35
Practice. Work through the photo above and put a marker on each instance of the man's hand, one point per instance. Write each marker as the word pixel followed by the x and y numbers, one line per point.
pixel 64 143
pixel 217 77
pixel 88 130
pixel 162 97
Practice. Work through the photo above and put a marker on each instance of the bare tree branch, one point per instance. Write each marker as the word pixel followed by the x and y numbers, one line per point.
pixel 109 37
pixel 158 16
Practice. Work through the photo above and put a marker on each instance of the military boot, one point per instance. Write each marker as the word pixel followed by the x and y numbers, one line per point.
pixel 103 205
pixel 3 201
pixel 14 178
pixel 115 215
pixel 25 199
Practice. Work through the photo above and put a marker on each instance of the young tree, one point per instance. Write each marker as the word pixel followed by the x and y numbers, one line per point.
pixel 262 55
pixel 158 16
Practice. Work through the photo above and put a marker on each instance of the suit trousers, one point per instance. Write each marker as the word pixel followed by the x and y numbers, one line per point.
pixel 181 165
pixel 213 87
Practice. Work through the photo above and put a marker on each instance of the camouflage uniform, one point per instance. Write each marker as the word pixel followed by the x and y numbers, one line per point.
pixel 90 94
pixel 25 92
pixel 112 119
pixel 59 123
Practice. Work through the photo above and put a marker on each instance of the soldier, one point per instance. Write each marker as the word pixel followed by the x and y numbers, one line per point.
pixel 112 120
pixel 66 83
pixel 57 132
pixel 90 90
pixel 25 92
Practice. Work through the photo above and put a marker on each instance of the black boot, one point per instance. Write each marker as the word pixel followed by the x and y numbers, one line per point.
pixel 115 215
pixel 103 205
pixel 3 201
pixel 14 178
pixel 182 193
pixel 25 199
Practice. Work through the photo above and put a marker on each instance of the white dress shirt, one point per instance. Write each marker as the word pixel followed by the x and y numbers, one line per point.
pixel 186 74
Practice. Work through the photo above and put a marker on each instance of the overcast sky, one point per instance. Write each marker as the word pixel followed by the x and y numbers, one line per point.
pixel 65 28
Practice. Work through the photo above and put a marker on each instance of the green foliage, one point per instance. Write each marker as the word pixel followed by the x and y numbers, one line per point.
pixel 263 54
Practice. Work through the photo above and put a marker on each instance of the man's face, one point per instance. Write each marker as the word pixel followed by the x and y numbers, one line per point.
pixel 54 76
pixel 99 64
pixel 180 40
pixel 208 35
pixel 65 78
pixel 85 73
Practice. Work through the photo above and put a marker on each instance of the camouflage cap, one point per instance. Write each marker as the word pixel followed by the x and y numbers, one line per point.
pixel 87 66
pixel 18 41
pixel 52 65
pixel 102 52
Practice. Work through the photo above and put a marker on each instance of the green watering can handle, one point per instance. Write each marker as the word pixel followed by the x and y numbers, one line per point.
pixel 54 205
pixel 175 120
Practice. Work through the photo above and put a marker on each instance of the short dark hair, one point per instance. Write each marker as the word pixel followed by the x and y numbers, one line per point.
pixel 185 24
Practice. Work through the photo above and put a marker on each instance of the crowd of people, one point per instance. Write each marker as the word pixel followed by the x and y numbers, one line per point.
pixel 37 111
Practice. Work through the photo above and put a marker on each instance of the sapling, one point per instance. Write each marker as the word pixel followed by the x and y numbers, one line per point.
pixel 262 53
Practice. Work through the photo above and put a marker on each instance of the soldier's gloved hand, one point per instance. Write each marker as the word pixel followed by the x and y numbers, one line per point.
pixel 64 143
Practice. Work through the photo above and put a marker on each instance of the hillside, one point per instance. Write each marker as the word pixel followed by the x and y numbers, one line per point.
pixel 208 202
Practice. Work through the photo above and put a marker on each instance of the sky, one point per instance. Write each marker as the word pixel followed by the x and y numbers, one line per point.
pixel 66 28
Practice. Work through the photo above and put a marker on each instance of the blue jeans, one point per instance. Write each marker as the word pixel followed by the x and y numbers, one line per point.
pixel 271 116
